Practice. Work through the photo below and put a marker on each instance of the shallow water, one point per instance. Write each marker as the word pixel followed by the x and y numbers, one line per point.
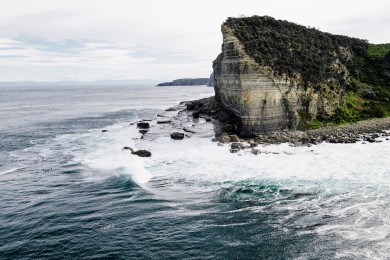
pixel 68 190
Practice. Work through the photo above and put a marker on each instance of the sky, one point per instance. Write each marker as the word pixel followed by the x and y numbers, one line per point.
pixel 88 40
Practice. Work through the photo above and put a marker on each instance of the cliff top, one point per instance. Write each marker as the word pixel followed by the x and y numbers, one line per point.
pixel 290 48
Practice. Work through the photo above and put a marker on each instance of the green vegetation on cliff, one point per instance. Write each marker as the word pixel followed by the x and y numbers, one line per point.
pixel 315 59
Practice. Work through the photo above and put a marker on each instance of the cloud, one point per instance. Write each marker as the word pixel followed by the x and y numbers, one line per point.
pixel 152 38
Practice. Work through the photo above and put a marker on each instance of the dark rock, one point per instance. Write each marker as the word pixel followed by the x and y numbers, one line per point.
pixel 142 153
pixel 228 128
pixel 190 106
pixel 371 140
pixel 103 131
pixel 164 121
pixel 196 114
pixel 143 125
pixel 175 108
pixel 189 130
pixel 387 139
pixel 214 139
pixel 177 136
pixel 143 131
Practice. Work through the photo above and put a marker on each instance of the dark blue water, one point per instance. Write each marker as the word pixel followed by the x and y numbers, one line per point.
pixel 65 193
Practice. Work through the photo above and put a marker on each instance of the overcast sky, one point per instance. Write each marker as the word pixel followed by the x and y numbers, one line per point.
pixel 55 40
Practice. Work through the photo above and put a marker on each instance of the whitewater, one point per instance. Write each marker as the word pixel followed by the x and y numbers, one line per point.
pixel 68 189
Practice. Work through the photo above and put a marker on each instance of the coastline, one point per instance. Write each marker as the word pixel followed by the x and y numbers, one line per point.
pixel 366 131
pixel 205 117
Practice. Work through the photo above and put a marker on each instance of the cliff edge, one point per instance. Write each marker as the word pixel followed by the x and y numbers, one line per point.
pixel 275 75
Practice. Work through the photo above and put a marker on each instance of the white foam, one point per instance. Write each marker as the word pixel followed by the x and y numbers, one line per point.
pixel 11 170
pixel 335 173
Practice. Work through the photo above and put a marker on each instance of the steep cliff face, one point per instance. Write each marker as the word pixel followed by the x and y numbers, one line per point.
pixel 262 102
pixel 272 80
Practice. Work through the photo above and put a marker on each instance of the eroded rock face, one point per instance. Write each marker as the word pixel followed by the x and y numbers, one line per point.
pixel 261 101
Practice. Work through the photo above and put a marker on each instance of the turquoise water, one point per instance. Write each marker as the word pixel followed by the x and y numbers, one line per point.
pixel 69 191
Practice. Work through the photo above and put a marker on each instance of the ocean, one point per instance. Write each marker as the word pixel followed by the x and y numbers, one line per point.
pixel 69 191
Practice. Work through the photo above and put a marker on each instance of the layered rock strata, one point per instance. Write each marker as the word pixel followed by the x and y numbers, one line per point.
pixel 262 101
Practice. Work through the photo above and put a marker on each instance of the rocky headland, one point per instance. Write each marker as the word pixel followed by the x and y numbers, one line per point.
pixel 274 75
pixel 186 82
pixel 279 82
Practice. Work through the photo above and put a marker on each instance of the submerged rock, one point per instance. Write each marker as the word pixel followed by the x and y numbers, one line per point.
pixel 104 130
pixel 177 136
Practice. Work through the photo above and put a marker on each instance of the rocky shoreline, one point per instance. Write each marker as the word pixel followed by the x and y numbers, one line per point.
pixel 366 131
pixel 205 118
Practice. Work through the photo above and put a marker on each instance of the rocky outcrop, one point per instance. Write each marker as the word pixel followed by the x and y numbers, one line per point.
pixel 185 82
pixel 140 153
pixel 261 100
pixel 274 75
pixel 177 136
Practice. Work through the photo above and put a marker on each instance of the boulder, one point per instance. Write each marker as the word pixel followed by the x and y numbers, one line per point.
pixel 224 138
pixel 143 125
pixel 104 130
pixel 142 153
pixel 236 147
pixel 234 138
pixel 177 136
pixel 252 144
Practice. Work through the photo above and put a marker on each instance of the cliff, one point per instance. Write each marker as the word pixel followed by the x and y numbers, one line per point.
pixel 274 75
pixel 185 82
pixel 211 81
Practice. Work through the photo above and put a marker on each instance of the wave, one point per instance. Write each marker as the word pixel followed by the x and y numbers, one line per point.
pixel 11 170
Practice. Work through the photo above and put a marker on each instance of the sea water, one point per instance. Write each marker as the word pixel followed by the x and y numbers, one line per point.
pixel 67 190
